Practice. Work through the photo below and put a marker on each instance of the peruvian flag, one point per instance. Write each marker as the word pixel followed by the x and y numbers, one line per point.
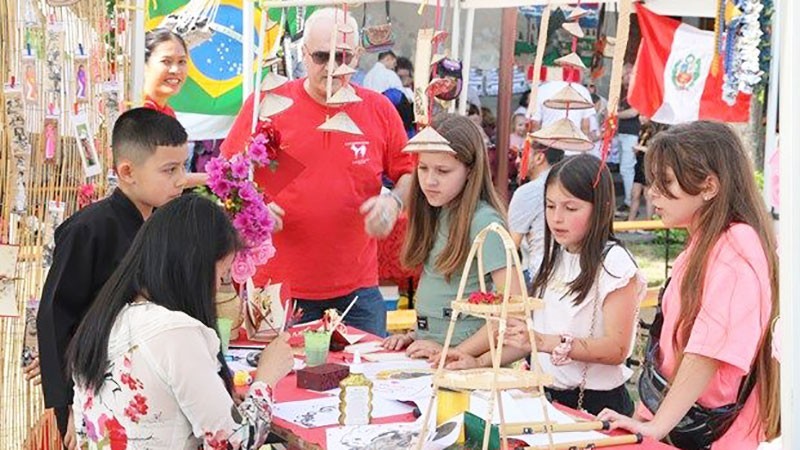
pixel 672 81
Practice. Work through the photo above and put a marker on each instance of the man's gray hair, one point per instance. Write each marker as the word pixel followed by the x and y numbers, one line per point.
pixel 334 15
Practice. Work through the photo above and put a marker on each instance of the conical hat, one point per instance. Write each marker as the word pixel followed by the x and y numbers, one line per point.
pixel 563 134
pixel 428 140
pixel 273 104
pixel 577 13
pixel 341 122
pixel 273 81
pixel 573 28
pixel 571 60
pixel 568 98
pixel 345 94
pixel 438 57
pixel 343 70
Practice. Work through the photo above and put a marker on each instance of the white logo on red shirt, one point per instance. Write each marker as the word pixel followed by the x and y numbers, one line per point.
pixel 359 150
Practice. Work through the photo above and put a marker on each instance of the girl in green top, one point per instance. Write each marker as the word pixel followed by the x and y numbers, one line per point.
pixel 451 200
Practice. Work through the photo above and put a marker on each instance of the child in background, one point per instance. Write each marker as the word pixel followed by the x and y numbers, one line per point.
pixel 591 288
pixel 452 199
pixel 149 150
pixel 714 346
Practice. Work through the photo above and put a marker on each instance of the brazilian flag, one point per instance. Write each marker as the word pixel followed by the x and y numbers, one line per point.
pixel 212 94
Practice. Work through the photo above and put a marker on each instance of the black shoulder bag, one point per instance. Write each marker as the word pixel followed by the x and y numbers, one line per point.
pixel 701 426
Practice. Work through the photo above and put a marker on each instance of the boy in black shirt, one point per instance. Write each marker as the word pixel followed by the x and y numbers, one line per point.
pixel 150 151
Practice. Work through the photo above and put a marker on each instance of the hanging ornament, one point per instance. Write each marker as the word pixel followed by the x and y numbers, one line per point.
pixel 341 122
pixel 273 104
pixel 573 28
pixel 346 94
pixel 568 98
pixel 428 140
pixel 194 22
pixel 564 135
pixel 572 60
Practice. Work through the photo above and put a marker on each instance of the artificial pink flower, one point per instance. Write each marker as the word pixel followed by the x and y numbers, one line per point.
pixel 243 267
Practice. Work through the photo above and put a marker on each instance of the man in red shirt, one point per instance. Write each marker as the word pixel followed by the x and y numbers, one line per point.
pixel 330 214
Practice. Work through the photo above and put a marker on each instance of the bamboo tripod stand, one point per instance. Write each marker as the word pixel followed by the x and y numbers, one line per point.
pixel 496 378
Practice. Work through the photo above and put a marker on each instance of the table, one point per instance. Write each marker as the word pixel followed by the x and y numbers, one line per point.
pixel 299 438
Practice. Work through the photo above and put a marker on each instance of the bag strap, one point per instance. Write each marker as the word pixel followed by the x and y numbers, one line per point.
pixel 364 17
pixel 747 384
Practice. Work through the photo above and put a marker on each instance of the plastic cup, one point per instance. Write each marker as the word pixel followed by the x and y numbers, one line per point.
pixel 316 345
pixel 224 329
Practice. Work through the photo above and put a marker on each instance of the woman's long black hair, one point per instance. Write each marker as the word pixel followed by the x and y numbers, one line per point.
pixel 172 263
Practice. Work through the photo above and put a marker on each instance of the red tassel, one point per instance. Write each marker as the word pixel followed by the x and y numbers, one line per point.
pixel 608 136
pixel 523 164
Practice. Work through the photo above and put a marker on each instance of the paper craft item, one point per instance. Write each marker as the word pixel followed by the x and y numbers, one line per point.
pixel 274 181
pixel 572 60
pixel 564 135
pixel 30 342
pixel 273 80
pixel 8 278
pixel 264 311
pixel 273 104
pixel 322 412
pixel 81 71
pixel 568 98
pixel 385 357
pixel 20 150
pixel 85 140
pixel 365 348
pixel 346 94
pixel 341 122
pixel 30 80
pixel 404 389
pixel 51 138
pixel 53 217
pixel 573 28
pixel 54 67
pixel 428 140
pixel 422 77
pixel 344 70
pixel 112 105
pixel 577 13
pixel 392 436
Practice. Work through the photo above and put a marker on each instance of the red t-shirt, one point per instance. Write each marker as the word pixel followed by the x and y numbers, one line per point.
pixel 323 250
pixel 166 109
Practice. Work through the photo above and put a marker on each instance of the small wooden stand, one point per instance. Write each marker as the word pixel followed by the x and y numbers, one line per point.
pixel 496 378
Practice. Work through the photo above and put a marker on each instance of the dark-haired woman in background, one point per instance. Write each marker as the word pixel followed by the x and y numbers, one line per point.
pixel 165 66
pixel 146 360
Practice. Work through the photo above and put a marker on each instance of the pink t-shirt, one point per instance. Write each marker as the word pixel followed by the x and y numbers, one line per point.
pixel 734 316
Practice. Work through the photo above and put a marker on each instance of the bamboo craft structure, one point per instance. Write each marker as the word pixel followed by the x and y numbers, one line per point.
pixel 44 61
pixel 496 378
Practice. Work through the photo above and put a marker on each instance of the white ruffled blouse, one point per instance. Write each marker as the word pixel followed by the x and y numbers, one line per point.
pixel 162 390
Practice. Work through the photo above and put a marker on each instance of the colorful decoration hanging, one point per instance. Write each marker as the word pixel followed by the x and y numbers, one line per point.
pixel 739 35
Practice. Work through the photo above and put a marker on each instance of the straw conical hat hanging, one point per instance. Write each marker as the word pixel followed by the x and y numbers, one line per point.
pixel 343 69
pixel 273 104
pixel 577 13
pixel 568 98
pixel 437 57
pixel 563 134
pixel 571 60
pixel 341 122
pixel 428 140
pixel 345 94
pixel 573 28
pixel 273 81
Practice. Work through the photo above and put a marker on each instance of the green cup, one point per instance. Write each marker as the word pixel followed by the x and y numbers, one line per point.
pixel 317 344
pixel 224 329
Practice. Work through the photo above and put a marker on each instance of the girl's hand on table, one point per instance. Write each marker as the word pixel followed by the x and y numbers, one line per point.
pixel 397 342
pixel 422 349
pixel 624 422
pixel 457 360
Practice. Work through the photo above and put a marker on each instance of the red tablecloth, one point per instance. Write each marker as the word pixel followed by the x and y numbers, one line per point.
pixel 287 391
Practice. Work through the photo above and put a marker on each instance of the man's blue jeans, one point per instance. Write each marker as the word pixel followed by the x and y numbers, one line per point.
pixel 367 314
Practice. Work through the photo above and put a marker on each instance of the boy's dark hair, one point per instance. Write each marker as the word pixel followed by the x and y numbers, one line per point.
pixel 171 263
pixel 382 55
pixel 139 131
pixel 158 35
pixel 553 155
pixel 404 63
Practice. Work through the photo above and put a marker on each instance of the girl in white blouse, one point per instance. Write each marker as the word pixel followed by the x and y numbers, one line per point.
pixel 146 360
pixel 591 288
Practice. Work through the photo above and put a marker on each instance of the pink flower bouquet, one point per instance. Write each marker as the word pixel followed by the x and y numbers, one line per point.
pixel 229 181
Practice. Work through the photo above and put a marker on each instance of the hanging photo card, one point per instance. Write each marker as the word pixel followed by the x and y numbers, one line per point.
pixel 54 67
pixel 85 140
pixel 20 146
pixel 30 343
pixel 8 278
pixel 53 217
pixel 51 139
pixel 80 64
pixel 30 80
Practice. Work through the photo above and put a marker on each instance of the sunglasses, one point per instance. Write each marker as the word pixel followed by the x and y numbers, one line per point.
pixel 321 57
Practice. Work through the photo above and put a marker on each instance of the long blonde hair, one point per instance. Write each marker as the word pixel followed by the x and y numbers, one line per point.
pixel 694 152
pixel 465 138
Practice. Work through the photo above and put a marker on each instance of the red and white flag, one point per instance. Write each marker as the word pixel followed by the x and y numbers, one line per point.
pixel 672 81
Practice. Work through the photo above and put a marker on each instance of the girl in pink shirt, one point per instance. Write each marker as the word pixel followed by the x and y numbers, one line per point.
pixel 717 309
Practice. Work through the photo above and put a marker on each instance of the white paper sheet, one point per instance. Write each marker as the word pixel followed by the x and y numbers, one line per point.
pixel 321 412
pixel 237 360
pixel 392 436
